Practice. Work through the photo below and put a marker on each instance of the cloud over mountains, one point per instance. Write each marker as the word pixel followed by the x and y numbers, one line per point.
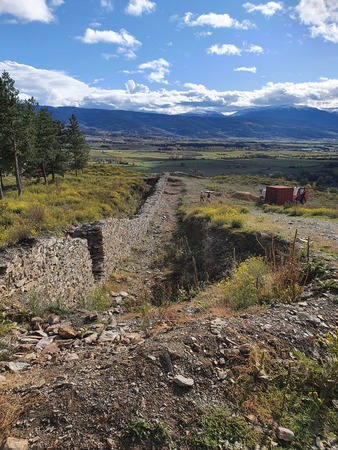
pixel 68 91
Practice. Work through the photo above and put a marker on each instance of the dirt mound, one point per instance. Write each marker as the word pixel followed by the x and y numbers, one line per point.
pixel 129 386
pixel 246 196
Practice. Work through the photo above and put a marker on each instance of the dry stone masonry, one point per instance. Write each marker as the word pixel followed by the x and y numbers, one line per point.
pixel 67 268
pixel 53 267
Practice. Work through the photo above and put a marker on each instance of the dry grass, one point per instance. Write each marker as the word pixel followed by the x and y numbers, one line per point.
pixel 100 192
pixel 10 409
pixel 13 405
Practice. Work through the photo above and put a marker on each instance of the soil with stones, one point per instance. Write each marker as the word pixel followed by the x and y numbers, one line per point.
pixel 86 378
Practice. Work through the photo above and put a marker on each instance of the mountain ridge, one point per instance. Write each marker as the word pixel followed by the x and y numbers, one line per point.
pixel 281 122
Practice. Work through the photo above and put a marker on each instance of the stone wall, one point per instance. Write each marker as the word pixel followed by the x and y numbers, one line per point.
pixel 68 267
pixel 110 241
pixel 56 268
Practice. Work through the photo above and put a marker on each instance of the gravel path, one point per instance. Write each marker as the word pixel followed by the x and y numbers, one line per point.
pixel 323 234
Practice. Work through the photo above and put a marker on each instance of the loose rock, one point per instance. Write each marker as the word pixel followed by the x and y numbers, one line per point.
pixel 67 332
pixel 284 434
pixel 13 443
pixel 180 380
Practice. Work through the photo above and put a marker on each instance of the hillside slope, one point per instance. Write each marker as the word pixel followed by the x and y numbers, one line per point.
pixel 180 376
pixel 264 123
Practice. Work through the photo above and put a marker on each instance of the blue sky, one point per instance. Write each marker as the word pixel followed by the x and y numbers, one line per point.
pixel 172 56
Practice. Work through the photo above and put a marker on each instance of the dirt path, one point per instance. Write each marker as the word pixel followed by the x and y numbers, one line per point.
pixel 142 269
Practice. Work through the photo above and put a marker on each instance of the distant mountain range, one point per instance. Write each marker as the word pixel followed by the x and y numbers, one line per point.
pixel 260 123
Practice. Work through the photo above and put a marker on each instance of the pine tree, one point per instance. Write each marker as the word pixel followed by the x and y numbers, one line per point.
pixel 10 125
pixel 76 145
pixel 27 134
pixel 60 161
pixel 46 142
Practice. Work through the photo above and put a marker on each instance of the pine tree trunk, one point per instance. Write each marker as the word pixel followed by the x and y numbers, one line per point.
pixel 43 168
pixel 1 186
pixel 16 167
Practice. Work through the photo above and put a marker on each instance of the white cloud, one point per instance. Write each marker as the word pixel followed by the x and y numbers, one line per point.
pixel 321 16
pixel 230 49
pixel 268 9
pixel 246 69
pixel 49 87
pixel 159 68
pixel 95 25
pixel 257 49
pixel 203 34
pixel 128 72
pixel 122 38
pixel 224 49
pixel 107 5
pixel 196 87
pixel 127 53
pixel 56 3
pixel 215 21
pixel 59 89
pixel 108 56
pixel 133 88
pixel 139 7
pixel 30 11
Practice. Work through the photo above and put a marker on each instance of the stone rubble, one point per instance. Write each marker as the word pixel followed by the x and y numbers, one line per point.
pixel 210 349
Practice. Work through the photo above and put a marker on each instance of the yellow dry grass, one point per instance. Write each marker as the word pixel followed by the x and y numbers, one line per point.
pixel 13 405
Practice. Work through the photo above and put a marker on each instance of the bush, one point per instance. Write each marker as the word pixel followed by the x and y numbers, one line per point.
pixel 257 281
pixel 36 303
pixel 236 223
pixel 246 285
pixel 36 213
pixel 19 232
pixel 98 300
pixel 141 431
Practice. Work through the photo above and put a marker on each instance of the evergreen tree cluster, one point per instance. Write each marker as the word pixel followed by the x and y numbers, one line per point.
pixel 32 144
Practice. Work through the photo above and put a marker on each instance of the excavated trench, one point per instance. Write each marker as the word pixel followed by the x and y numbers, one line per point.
pixel 201 254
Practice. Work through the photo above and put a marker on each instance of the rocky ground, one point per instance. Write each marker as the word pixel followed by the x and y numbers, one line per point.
pixel 117 381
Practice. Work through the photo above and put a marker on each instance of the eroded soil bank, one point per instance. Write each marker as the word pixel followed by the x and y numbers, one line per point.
pixel 201 254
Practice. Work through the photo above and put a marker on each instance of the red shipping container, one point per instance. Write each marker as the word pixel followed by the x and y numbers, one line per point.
pixel 279 195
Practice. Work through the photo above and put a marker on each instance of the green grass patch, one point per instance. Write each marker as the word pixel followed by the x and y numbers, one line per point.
pixel 154 434
pixel 220 429
pixel 98 300
pixel 299 393
pixel 303 211
pixel 6 348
